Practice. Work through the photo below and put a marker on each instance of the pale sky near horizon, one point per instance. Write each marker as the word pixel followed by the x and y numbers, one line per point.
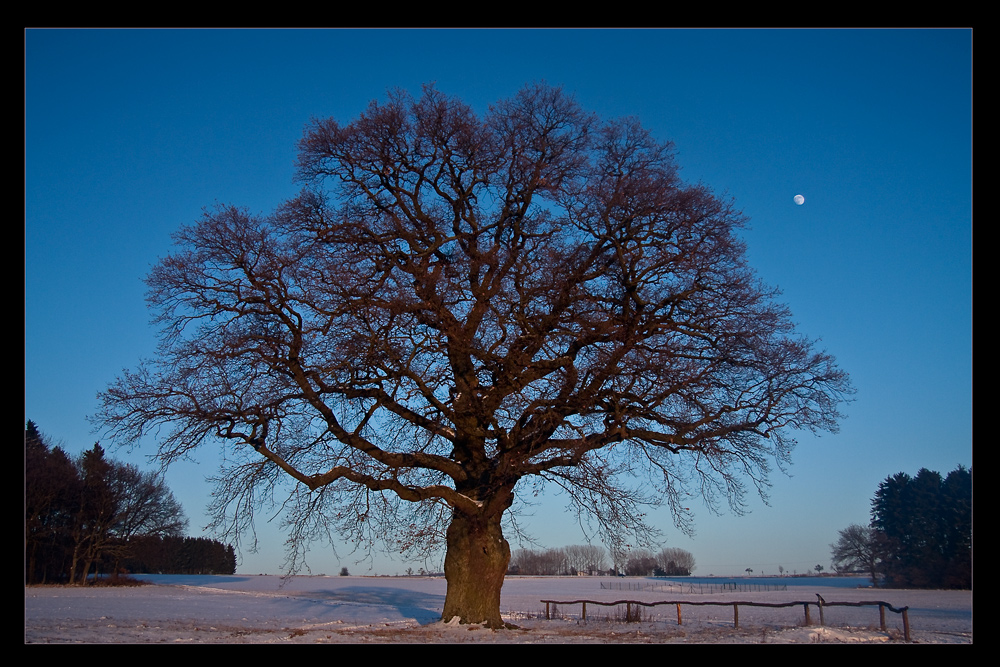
pixel 130 133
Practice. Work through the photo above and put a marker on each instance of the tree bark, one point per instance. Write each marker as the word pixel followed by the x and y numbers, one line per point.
pixel 474 566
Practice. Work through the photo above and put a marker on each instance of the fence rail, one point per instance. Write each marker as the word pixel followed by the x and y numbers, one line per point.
pixel 821 604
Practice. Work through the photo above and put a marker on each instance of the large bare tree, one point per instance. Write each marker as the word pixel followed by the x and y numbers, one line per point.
pixel 457 305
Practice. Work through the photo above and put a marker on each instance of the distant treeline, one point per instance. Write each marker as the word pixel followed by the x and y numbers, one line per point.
pixel 153 554
pixel 593 559
pixel 92 515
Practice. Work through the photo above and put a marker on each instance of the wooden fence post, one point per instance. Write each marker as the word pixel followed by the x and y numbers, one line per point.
pixel 881 617
pixel 678 613
pixel 585 611
pixel 736 616
pixel 906 624
pixel 546 611
pixel 806 606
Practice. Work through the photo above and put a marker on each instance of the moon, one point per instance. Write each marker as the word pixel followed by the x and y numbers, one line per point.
pixel 799 199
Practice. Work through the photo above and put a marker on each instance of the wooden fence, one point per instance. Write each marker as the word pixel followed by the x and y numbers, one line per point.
pixel 821 604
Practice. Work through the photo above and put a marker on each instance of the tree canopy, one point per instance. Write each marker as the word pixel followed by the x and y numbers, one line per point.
pixel 456 306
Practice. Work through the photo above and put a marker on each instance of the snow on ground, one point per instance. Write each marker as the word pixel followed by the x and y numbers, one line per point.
pixel 247 609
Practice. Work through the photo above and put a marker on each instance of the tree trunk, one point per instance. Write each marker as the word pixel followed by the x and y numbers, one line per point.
pixel 74 564
pixel 475 565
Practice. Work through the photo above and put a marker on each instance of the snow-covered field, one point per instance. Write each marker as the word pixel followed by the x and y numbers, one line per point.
pixel 241 609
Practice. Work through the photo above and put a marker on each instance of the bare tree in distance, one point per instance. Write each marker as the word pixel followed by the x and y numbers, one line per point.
pixel 147 506
pixel 586 558
pixel 640 563
pixel 674 561
pixel 457 308
pixel 546 562
pixel 859 547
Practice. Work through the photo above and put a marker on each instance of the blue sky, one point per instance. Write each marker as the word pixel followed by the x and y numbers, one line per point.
pixel 129 134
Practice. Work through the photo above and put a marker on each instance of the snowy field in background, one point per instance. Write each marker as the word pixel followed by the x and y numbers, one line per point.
pixel 247 609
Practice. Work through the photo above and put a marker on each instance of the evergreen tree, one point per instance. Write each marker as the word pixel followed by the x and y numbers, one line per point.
pixel 957 513
pixel 96 515
pixel 51 494
pixel 925 523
